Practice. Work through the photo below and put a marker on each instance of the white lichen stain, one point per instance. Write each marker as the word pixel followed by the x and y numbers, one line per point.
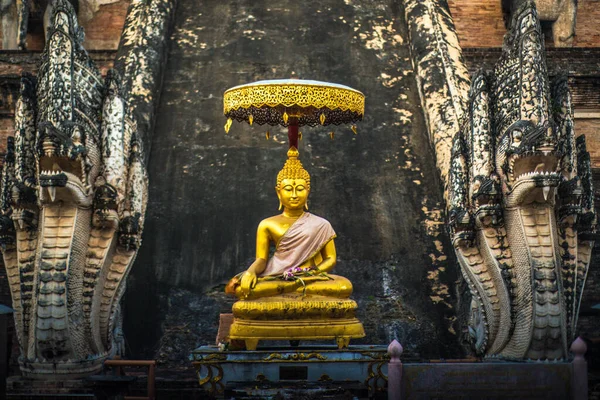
pixel 389 81
pixel 403 115
pixel 380 36
pixel 410 163
pixel 254 34
pixel 438 245
pixel 446 97
pixel 185 37
pixel 433 219
pixel 385 282
pixel 434 223
pixel 276 139
pixel 451 320
pixel 139 87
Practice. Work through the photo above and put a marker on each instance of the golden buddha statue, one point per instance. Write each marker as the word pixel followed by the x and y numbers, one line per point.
pixel 291 295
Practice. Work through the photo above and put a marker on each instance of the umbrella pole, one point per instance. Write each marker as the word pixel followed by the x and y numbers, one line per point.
pixel 293 132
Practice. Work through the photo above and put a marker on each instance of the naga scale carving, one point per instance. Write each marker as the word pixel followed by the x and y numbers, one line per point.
pixel 521 208
pixel 72 204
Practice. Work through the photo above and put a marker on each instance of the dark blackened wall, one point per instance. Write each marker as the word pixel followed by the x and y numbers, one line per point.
pixel 209 190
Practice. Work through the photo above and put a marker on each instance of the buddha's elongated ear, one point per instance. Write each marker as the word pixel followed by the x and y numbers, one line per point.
pixel 279 197
pixel 306 205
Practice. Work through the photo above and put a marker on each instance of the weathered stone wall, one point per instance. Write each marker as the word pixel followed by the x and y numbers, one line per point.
pixel 588 318
pixel 379 189
pixel 441 74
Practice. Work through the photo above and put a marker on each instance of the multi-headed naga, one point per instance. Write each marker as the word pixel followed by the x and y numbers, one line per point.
pixel 521 206
pixel 72 206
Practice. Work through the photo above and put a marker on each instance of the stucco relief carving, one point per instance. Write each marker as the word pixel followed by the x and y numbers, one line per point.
pixel 521 208
pixel 74 193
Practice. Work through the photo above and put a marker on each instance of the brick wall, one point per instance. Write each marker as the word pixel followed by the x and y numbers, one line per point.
pixel 480 23
pixel 102 31
pixel 7 128
pixel 588 30
pixel 591 129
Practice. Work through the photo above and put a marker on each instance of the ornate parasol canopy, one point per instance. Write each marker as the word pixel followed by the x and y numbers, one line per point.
pixel 293 103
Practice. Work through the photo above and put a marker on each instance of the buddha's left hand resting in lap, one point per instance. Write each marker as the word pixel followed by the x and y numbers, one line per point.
pixel 304 242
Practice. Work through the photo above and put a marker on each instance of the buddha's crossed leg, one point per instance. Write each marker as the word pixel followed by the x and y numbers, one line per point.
pixel 335 286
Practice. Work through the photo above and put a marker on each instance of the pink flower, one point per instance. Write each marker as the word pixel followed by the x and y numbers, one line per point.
pixel 306 269
pixel 295 270
pixel 288 275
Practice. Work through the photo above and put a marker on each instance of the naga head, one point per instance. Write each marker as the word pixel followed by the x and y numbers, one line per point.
pixel 67 161
pixel 69 99
pixel 527 149
pixel 486 198
pixel 129 231
pixel 105 204
pixel 518 173
pixel 527 161
pixel 24 213
pixel 59 218
pixel 475 197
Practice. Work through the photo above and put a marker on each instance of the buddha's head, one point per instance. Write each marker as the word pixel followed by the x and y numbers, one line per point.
pixel 293 183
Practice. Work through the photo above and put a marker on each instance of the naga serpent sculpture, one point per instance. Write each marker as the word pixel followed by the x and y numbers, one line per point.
pixel 521 209
pixel 72 204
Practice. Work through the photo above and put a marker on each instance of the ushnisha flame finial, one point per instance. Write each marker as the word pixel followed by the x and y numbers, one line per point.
pixel 293 169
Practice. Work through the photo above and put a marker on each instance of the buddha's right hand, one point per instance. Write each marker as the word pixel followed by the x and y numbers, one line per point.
pixel 248 282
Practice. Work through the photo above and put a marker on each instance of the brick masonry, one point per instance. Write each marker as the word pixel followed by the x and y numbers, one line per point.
pixel 102 31
pixel 481 23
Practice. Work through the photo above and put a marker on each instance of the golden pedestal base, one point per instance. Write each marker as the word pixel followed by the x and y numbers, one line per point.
pixel 295 317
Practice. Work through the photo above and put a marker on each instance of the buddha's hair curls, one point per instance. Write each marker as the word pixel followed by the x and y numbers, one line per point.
pixel 293 169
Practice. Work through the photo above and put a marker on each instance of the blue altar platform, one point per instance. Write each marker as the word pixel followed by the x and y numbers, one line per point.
pixel 358 367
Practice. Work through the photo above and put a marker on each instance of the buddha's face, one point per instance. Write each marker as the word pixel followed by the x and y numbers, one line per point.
pixel 293 193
